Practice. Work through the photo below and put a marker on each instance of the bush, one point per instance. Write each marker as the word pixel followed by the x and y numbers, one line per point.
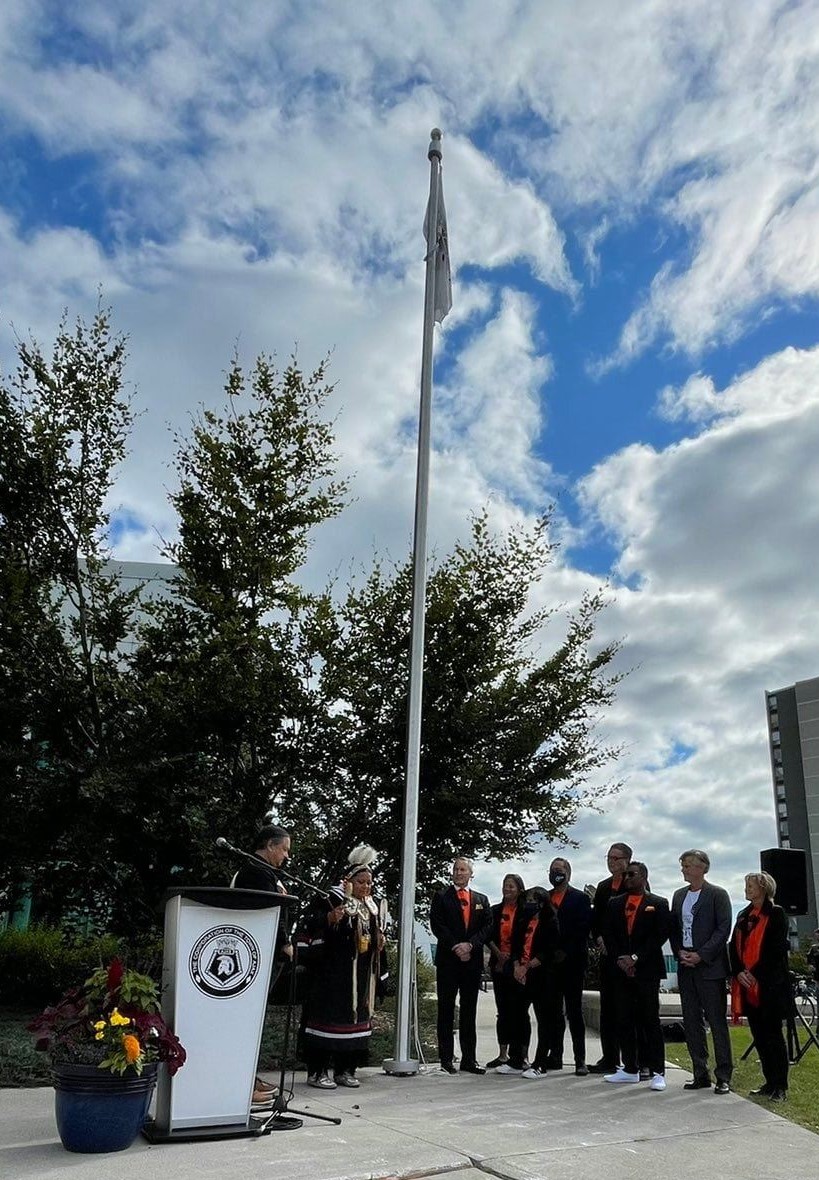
pixel 38 965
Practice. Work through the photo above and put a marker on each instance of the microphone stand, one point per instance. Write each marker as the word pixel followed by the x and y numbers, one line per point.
pixel 278 1119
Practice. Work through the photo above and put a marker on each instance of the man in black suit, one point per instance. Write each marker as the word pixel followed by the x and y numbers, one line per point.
pixel 461 921
pixel 617 858
pixel 636 928
pixel 574 915
pixel 700 928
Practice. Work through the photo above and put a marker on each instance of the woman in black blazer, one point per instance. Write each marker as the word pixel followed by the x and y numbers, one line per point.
pixel 504 917
pixel 760 988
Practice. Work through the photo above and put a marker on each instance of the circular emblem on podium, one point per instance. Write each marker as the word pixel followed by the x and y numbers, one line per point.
pixel 224 961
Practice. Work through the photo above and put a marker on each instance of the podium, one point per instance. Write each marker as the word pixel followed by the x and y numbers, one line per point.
pixel 219 950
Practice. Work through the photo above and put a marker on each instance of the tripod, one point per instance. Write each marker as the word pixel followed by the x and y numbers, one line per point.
pixel 793 1020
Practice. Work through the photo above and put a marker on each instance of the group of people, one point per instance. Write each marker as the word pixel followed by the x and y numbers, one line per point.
pixel 538 942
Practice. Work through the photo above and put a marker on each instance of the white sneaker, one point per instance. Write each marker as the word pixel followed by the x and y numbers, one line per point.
pixel 533 1074
pixel 347 1079
pixel 321 1082
pixel 507 1068
pixel 620 1075
pixel 657 1082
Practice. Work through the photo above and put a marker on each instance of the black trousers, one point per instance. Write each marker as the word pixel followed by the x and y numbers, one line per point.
pixel 765 1023
pixel 566 995
pixel 503 988
pixel 705 999
pixel 640 1031
pixel 461 983
pixel 609 1022
pixel 520 1024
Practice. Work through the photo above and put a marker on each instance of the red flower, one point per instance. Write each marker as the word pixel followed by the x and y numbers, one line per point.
pixel 115 974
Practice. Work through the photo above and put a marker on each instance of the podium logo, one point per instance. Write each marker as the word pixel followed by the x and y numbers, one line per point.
pixel 224 961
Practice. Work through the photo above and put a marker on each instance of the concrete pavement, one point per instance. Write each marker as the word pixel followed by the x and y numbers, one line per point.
pixel 563 1127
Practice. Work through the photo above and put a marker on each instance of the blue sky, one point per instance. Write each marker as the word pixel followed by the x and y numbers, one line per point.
pixel 632 196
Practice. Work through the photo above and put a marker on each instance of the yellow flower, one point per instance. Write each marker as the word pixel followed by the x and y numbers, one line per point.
pixel 117 1021
pixel 98 1036
pixel 132 1048
pixel 98 1025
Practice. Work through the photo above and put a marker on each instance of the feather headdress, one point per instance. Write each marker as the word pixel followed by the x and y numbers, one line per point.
pixel 361 857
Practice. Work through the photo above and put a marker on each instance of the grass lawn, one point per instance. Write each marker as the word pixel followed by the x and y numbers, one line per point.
pixel 802 1105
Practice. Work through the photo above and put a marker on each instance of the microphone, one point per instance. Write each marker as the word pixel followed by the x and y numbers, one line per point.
pixel 221 842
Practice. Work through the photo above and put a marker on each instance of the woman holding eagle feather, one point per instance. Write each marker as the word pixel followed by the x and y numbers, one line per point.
pixel 346 967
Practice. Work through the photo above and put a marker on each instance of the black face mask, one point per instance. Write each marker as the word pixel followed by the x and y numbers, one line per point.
pixel 557 878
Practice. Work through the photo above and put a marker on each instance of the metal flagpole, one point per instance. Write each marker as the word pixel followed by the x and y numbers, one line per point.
pixel 401 1062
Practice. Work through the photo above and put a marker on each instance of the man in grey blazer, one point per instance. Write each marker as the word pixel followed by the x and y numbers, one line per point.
pixel 701 920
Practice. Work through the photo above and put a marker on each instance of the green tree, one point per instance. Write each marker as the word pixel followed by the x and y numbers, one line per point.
pixel 64 422
pixel 220 665
pixel 508 742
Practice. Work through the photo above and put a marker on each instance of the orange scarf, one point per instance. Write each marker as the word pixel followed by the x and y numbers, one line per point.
pixel 527 941
pixel 506 919
pixel 748 944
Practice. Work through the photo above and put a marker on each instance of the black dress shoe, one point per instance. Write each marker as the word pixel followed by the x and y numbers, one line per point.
pixel 473 1068
pixel 553 1063
pixel 448 1067
pixel 581 1069
pixel 602 1067
pixel 763 1091
pixel 703 1083
pixel 722 1088
pixel 496 1061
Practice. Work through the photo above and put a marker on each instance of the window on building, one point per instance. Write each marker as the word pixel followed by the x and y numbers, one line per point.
pixel 784 829
pixel 775 738
pixel 782 808
pixel 772 702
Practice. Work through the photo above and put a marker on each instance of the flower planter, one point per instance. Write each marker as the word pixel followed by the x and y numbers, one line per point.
pixel 101 1111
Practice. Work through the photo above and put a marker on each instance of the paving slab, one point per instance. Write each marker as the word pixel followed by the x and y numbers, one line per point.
pixel 461 1126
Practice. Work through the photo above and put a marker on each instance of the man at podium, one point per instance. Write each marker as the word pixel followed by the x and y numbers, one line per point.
pixel 272 849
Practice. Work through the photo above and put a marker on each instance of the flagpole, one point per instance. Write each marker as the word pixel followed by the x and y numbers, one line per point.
pixel 401 1061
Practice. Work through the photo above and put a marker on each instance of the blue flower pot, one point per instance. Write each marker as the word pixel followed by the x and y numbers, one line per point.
pixel 101 1111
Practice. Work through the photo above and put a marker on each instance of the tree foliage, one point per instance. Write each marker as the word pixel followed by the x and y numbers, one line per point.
pixel 136 729
pixel 508 739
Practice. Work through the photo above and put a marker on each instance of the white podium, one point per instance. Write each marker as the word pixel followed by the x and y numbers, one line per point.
pixel 219 950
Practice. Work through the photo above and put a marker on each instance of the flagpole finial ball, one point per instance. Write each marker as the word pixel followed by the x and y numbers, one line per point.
pixel 435 144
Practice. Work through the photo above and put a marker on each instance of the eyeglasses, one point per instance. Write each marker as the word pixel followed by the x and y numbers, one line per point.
pixel 632 873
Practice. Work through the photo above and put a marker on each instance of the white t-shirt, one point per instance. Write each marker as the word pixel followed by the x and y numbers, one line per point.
pixel 691 899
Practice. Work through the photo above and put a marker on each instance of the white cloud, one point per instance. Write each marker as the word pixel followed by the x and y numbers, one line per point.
pixel 719 532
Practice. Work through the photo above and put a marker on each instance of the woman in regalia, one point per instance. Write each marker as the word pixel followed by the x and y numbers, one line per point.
pixel 346 968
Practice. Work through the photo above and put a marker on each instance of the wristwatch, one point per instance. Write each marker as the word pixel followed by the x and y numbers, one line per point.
pixel 634 958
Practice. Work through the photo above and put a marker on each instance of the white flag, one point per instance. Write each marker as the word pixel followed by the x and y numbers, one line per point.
pixel 443 277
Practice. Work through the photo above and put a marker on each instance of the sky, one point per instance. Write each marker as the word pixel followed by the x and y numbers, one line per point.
pixel 632 201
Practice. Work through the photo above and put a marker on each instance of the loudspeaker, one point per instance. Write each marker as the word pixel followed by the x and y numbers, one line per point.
pixel 788 867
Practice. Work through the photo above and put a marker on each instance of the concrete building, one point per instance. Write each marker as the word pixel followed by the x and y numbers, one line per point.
pixel 793 733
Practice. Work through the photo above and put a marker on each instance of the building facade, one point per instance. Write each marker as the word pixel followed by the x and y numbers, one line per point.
pixel 793 733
